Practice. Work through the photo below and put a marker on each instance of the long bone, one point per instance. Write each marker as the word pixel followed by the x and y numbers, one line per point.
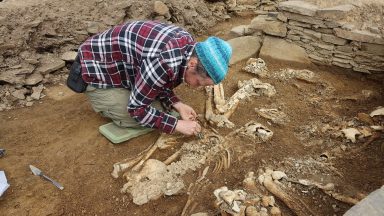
pixel 218 95
pixel 246 89
pixel 161 143
pixel 219 120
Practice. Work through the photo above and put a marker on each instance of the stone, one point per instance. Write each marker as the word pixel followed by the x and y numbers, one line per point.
pixel 300 7
pixel 282 17
pixel 301 24
pixel 314 34
pixel 335 13
pixel 343 65
pixel 49 64
pixel 293 37
pixel 316 57
pixel 161 9
pixel 296 28
pixel 333 39
pixel 324 30
pixel 29 104
pixel 359 35
pixel 15 76
pixel 93 27
pixel 332 24
pixel 375 49
pixel 244 48
pixel 241 30
pixel 271 27
pixel 325 46
pixel 276 48
pixel 33 79
pixel 345 48
pixel 36 92
pixel 305 19
pixel 20 93
pixel 69 56
pixel 342 56
pixel 341 60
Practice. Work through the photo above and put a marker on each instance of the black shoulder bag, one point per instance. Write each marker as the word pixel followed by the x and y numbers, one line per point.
pixel 74 80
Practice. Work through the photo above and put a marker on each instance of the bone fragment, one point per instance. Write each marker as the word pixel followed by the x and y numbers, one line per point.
pixel 299 208
pixel 379 111
pixel 218 94
pixel 172 158
pixel 350 133
pixel 219 120
pixel 246 89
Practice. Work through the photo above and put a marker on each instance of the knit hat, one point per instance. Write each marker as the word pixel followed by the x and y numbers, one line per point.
pixel 214 54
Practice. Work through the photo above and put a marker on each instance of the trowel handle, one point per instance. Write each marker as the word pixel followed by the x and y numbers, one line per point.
pixel 57 184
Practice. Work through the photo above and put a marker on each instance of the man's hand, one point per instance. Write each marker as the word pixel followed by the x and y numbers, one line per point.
pixel 188 127
pixel 186 112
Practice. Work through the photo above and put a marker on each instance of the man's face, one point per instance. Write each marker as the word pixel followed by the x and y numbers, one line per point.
pixel 195 80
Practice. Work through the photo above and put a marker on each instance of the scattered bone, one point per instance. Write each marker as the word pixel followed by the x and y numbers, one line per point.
pixel 251 211
pixel 248 88
pixel 303 75
pixel 277 175
pixel 256 66
pixel 275 211
pixel 162 142
pixel 297 206
pixel 329 190
pixel 230 201
pixel 172 158
pixel 256 131
pixel 268 201
pixel 377 112
pixel 274 115
pixel 219 120
pixel 250 181
pixel 151 182
pixel 154 178
pixel 218 94
pixel 350 133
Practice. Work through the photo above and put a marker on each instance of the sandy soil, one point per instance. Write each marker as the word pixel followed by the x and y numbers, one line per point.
pixel 60 136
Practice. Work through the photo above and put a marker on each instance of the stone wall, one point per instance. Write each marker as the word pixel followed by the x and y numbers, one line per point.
pixel 326 35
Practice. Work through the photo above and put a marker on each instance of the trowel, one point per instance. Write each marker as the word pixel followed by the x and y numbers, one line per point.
pixel 38 172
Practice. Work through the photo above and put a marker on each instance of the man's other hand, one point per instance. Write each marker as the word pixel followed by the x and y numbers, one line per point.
pixel 186 112
pixel 187 127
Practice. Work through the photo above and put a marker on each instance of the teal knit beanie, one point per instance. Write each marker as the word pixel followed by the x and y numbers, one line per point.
pixel 214 54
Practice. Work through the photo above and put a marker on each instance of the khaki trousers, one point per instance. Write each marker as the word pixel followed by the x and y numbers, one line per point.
pixel 112 103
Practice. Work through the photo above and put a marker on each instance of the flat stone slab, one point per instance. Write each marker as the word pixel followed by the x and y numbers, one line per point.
pixel 33 79
pixel 305 19
pixel 335 13
pixel 280 49
pixel 50 64
pixel 270 27
pixel 244 48
pixel 359 35
pixel 15 76
pixel 372 205
pixel 69 56
pixel 300 7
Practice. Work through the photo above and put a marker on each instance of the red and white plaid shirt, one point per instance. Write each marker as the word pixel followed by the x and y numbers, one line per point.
pixel 147 57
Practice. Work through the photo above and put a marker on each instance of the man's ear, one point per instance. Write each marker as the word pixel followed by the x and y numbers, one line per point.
pixel 192 63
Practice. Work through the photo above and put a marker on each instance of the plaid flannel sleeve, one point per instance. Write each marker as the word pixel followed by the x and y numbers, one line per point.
pixel 168 98
pixel 149 84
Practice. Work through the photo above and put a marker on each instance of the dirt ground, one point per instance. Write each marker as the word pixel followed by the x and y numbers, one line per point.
pixel 60 136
